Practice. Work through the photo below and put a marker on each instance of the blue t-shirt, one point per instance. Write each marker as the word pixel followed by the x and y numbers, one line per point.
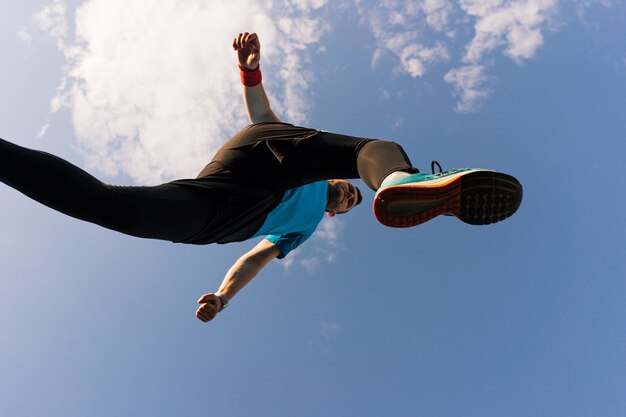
pixel 296 217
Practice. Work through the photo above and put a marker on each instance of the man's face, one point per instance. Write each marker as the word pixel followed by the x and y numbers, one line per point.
pixel 345 197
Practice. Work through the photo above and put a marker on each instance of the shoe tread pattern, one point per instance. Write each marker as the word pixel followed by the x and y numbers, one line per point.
pixel 488 197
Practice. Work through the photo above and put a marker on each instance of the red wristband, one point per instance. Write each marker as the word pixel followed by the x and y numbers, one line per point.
pixel 250 78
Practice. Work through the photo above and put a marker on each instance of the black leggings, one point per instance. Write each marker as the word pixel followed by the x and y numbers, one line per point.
pixel 166 211
pixel 175 211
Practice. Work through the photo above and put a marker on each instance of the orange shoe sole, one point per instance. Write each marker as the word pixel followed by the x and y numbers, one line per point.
pixel 476 197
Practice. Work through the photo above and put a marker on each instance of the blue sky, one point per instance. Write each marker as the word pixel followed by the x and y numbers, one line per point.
pixel 523 318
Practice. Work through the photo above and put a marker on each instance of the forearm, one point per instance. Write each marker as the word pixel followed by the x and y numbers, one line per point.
pixel 248 49
pixel 238 276
pixel 258 105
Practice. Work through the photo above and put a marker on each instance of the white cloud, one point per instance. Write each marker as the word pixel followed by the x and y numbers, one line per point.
pixel 437 14
pixel 153 86
pixel 328 231
pixel 290 259
pixel 583 5
pixel 311 264
pixel 327 237
pixel 51 19
pixel 324 245
pixel 398 28
pixel 142 77
pixel 516 26
pixel 398 123
pixel 25 36
pixel 418 34
pixel 307 5
pixel 43 130
pixel 325 338
pixel 469 85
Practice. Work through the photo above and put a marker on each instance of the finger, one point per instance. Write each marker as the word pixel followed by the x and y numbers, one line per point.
pixel 201 316
pixel 242 39
pixel 253 41
pixel 204 315
pixel 209 308
pixel 251 37
pixel 236 42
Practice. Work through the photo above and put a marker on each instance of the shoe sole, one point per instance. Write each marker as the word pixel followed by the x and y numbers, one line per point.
pixel 475 197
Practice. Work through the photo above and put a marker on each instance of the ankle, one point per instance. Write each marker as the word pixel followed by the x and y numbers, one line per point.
pixel 394 176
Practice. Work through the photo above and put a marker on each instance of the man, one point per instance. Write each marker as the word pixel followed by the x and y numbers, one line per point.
pixel 271 179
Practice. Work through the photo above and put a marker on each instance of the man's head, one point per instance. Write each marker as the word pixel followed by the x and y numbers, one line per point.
pixel 342 197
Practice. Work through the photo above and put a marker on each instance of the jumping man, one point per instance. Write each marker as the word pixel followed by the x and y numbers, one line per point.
pixel 271 179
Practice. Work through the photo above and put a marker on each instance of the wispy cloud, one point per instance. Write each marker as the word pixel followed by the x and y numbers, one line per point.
pixel 582 6
pixel 515 27
pixel 325 338
pixel 152 86
pixel 311 264
pixel 51 19
pixel 323 251
pixel 398 123
pixel 328 231
pixel 469 83
pixel 25 36
pixel 417 34
pixel 290 259
pixel 153 92
pixel 398 28
pixel 43 130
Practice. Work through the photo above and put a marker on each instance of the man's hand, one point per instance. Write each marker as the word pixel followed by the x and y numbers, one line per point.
pixel 249 50
pixel 210 305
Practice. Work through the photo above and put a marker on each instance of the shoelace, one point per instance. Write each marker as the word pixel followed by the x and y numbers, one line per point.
pixel 441 171
pixel 432 167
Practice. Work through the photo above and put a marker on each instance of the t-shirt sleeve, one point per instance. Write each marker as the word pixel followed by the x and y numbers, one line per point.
pixel 287 242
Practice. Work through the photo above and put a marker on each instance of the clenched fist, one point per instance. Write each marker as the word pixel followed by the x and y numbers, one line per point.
pixel 210 305
pixel 248 48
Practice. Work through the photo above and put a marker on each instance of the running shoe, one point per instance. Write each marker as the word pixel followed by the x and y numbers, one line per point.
pixel 475 196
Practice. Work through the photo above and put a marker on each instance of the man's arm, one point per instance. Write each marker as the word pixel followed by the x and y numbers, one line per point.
pixel 248 50
pixel 241 273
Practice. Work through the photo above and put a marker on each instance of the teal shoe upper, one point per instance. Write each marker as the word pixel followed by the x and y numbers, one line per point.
pixel 421 177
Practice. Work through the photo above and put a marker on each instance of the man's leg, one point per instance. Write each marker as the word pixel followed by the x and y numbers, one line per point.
pixel 404 196
pixel 168 212
pixel 280 157
pixel 333 156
